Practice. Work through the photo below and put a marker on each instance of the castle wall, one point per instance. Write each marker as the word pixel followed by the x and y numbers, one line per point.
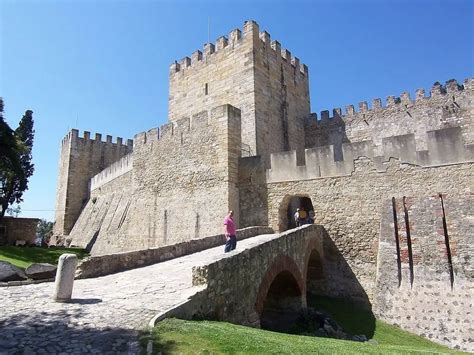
pixel 183 182
pixel 447 106
pixel 80 159
pixel 349 206
pixel 113 171
pixel 415 287
pixel 252 192
pixel 445 146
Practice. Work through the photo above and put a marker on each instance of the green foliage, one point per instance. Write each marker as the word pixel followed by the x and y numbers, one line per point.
pixel 25 256
pixel 14 211
pixel 174 336
pixel 44 230
pixel 16 165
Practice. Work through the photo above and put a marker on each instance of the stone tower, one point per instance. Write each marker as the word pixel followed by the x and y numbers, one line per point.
pixel 254 74
pixel 80 159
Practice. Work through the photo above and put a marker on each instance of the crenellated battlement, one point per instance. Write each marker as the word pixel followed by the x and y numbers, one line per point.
pixel 113 171
pixel 444 147
pixel 285 54
pixel 180 129
pixel 250 32
pixel 404 101
pixel 86 136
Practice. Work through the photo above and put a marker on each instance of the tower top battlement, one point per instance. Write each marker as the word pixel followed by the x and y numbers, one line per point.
pixel 403 102
pixel 250 31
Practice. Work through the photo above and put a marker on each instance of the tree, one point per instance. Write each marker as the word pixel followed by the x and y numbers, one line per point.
pixel 16 166
pixel 14 211
pixel 44 231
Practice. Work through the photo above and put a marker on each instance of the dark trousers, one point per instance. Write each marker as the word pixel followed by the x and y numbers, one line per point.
pixel 230 244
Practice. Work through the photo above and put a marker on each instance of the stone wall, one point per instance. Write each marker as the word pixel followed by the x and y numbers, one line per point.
pixel 448 106
pixel 113 171
pixel 96 266
pixel 444 147
pixel 81 158
pixel 183 182
pixel 254 74
pixel 23 229
pixel 349 206
pixel 253 192
pixel 425 285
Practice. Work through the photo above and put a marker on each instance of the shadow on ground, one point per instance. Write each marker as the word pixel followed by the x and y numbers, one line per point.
pixel 85 300
pixel 63 331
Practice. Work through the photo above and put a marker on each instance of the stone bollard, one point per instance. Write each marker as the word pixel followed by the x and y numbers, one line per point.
pixel 65 277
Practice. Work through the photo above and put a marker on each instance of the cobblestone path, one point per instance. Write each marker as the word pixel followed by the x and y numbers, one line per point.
pixel 106 313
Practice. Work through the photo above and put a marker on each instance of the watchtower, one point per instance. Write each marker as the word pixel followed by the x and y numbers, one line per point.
pixel 249 71
pixel 81 158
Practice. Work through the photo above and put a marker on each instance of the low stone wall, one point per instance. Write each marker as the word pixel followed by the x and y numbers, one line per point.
pixel 108 264
pixel 18 229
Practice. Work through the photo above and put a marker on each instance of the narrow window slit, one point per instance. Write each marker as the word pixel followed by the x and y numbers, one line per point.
pixel 206 89
pixel 446 242
pixel 410 251
pixel 397 241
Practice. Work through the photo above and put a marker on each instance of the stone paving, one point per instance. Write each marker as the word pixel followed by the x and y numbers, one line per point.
pixel 106 313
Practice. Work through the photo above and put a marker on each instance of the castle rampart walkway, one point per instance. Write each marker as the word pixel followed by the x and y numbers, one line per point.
pixel 106 312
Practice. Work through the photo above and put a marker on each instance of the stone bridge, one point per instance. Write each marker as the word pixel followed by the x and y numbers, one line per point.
pixel 265 283
pixel 265 274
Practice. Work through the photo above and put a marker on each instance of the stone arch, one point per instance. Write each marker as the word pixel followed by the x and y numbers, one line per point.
pixel 314 275
pixel 282 293
pixel 288 207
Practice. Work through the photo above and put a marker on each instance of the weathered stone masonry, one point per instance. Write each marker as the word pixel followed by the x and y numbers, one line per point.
pixel 81 158
pixel 183 179
pixel 254 74
pixel 426 287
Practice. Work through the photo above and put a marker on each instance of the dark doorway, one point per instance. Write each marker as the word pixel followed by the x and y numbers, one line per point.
pixel 282 305
pixel 294 203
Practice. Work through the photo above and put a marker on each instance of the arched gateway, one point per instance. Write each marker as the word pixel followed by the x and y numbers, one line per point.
pixel 288 208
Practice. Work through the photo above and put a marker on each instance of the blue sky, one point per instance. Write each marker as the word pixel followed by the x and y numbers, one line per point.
pixel 102 66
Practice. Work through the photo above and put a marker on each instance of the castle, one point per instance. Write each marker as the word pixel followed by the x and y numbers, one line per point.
pixel 241 136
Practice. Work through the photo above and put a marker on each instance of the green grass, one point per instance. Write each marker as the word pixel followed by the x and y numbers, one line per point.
pixel 25 256
pixel 206 337
pixel 174 336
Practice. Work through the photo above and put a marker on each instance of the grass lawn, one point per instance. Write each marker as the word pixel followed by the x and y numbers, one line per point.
pixel 25 256
pixel 175 336
pixel 208 337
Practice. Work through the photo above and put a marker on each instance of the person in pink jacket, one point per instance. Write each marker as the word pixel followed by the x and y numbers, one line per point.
pixel 230 232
